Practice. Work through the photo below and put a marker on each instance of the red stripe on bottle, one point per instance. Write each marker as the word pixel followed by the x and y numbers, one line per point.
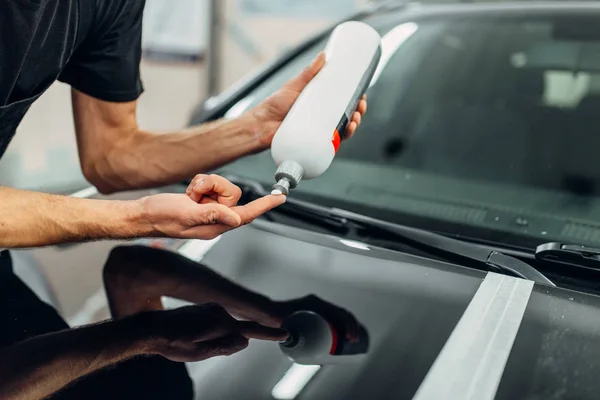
pixel 336 141
pixel 334 340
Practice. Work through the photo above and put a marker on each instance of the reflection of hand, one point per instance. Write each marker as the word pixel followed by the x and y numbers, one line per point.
pixel 195 333
pixel 270 113
pixel 178 216
pixel 340 318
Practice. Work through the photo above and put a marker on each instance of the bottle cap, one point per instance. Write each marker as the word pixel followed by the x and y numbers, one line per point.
pixel 288 175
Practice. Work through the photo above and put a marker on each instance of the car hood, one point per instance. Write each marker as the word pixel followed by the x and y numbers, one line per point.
pixel 409 305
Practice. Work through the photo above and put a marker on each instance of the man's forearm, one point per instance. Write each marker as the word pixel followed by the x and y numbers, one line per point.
pixel 145 159
pixel 38 367
pixel 30 219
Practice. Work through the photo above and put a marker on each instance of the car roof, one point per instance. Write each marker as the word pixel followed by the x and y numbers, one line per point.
pixel 415 9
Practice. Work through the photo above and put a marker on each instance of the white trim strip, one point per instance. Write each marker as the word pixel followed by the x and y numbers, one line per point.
pixel 86 193
pixel 473 359
pixel 294 380
pixel 196 249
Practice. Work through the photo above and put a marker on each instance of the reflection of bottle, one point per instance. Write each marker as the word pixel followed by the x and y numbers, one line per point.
pixel 314 341
pixel 309 136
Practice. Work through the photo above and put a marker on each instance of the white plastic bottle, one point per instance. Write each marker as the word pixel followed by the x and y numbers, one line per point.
pixel 306 142
pixel 314 341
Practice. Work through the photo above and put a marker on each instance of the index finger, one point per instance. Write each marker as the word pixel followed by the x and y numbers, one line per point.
pixel 258 207
pixel 254 330
pixel 362 106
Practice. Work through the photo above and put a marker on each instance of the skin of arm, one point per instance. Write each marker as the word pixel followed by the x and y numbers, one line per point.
pixel 40 366
pixel 117 155
pixel 35 368
pixel 30 219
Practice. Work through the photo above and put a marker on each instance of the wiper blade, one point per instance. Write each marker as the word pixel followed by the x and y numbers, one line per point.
pixel 572 255
pixel 455 248
pixel 430 242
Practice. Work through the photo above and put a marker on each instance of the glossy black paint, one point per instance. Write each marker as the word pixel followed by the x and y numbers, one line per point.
pixel 400 302
pixel 409 304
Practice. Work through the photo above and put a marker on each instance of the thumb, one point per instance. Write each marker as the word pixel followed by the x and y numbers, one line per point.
pixel 298 83
pixel 215 213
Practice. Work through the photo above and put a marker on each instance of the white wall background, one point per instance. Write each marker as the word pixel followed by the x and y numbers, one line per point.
pixel 179 26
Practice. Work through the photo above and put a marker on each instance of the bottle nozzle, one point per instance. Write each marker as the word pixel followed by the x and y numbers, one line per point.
pixel 291 341
pixel 281 187
pixel 288 175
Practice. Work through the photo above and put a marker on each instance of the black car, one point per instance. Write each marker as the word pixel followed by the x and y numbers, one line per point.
pixel 459 224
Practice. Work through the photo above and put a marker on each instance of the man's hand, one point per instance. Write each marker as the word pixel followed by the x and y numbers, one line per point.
pixel 195 333
pixel 341 319
pixel 270 113
pixel 207 189
pixel 179 216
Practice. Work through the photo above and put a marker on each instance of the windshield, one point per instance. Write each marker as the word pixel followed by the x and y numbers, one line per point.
pixel 473 123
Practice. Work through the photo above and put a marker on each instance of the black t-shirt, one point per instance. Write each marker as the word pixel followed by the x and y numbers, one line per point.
pixel 92 45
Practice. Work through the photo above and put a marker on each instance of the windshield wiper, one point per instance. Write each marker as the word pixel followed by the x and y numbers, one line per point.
pixel 432 243
pixel 572 255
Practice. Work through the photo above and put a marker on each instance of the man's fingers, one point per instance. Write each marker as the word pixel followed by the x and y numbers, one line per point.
pixel 211 214
pixel 351 128
pixel 298 83
pixel 361 109
pixel 225 219
pixel 356 117
pixel 362 106
pixel 246 214
pixel 223 346
pixel 227 193
pixel 254 330
pixel 258 207
pixel 190 189
pixel 208 200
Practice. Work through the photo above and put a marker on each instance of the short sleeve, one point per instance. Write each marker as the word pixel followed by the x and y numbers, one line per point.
pixel 107 63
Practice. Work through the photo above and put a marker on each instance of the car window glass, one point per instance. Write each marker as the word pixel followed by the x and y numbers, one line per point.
pixel 499 113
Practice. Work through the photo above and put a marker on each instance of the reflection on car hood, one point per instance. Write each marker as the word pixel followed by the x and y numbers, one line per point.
pixel 410 306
